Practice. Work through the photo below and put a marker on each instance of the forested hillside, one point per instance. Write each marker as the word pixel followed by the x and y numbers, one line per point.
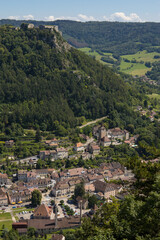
pixel 115 37
pixel 155 72
pixel 43 79
pixel 45 84
pixel 131 48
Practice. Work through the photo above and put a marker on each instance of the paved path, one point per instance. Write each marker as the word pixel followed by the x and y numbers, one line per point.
pixel 5 220
pixel 90 140
pixel 13 218
pixel 92 122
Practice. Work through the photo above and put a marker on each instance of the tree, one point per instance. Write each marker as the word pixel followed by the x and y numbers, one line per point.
pixel 130 128
pixel 148 64
pixel 81 162
pixel 36 198
pixel 31 232
pixel 145 103
pixel 40 164
pixel 62 202
pixel 79 190
pixel 68 164
pixel 92 200
pixel 11 235
pixel 52 202
pixel 4 231
pixel 38 135
pixel 24 26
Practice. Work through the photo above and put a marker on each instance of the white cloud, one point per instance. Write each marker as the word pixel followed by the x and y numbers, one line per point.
pixel 122 17
pixel 105 18
pixel 50 18
pixel 117 16
pixel 28 17
pixel 86 18
pixel 13 17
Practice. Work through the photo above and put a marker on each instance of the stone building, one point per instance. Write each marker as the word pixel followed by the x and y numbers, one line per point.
pixel 43 212
pixel 3 179
pixel 3 198
pixel 107 189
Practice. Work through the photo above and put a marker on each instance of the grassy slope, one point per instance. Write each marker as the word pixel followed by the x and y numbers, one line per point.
pixel 5 216
pixel 94 54
pixel 7 224
pixel 133 68
pixel 142 56
pixel 127 67
pixel 6 220
pixel 154 96
pixel 137 68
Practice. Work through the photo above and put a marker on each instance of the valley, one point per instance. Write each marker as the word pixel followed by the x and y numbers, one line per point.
pixel 79 134
pixel 134 64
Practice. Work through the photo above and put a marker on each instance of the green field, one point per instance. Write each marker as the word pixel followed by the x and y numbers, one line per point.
pixel 5 216
pixel 137 68
pixel 7 224
pixel 95 54
pixel 142 56
pixel 133 68
pixel 6 220
pixel 154 95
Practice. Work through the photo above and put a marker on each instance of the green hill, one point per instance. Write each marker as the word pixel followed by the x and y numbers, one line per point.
pixel 129 47
pixel 114 37
pixel 43 80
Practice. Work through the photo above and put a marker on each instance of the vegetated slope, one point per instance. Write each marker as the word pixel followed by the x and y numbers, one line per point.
pixel 43 79
pixel 155 72
pixel 115 37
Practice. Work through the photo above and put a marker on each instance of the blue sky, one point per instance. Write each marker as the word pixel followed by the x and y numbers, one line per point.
pixel 82 10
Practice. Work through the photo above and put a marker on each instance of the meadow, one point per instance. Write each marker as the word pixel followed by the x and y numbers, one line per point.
pixel 5 216
pixel 7 224
pixel 154 96
pixel 136 67
pixel 142 56
pixel 95 54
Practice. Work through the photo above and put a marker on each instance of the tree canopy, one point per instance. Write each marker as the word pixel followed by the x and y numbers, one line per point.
pixel 36 198
pixel 46 84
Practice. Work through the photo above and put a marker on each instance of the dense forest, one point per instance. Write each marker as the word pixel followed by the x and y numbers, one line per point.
pixel 43 79
pixel 115 37
pixel 155 72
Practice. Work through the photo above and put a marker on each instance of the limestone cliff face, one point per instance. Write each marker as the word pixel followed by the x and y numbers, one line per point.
pixel 60 43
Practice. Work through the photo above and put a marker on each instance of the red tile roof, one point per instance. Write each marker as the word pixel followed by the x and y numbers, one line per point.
pixel 79 144
pixel 3 175
pixel 42 211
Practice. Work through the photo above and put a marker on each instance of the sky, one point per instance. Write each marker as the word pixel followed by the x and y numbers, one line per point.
pixel 82 10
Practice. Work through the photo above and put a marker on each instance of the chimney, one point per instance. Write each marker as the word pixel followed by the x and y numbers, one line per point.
pixel 55 215
pixel 80 211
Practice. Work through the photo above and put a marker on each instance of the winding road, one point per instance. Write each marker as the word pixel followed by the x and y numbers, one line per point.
pixel 92 122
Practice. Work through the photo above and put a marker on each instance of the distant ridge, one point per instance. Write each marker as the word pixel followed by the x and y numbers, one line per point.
pixel 115 37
